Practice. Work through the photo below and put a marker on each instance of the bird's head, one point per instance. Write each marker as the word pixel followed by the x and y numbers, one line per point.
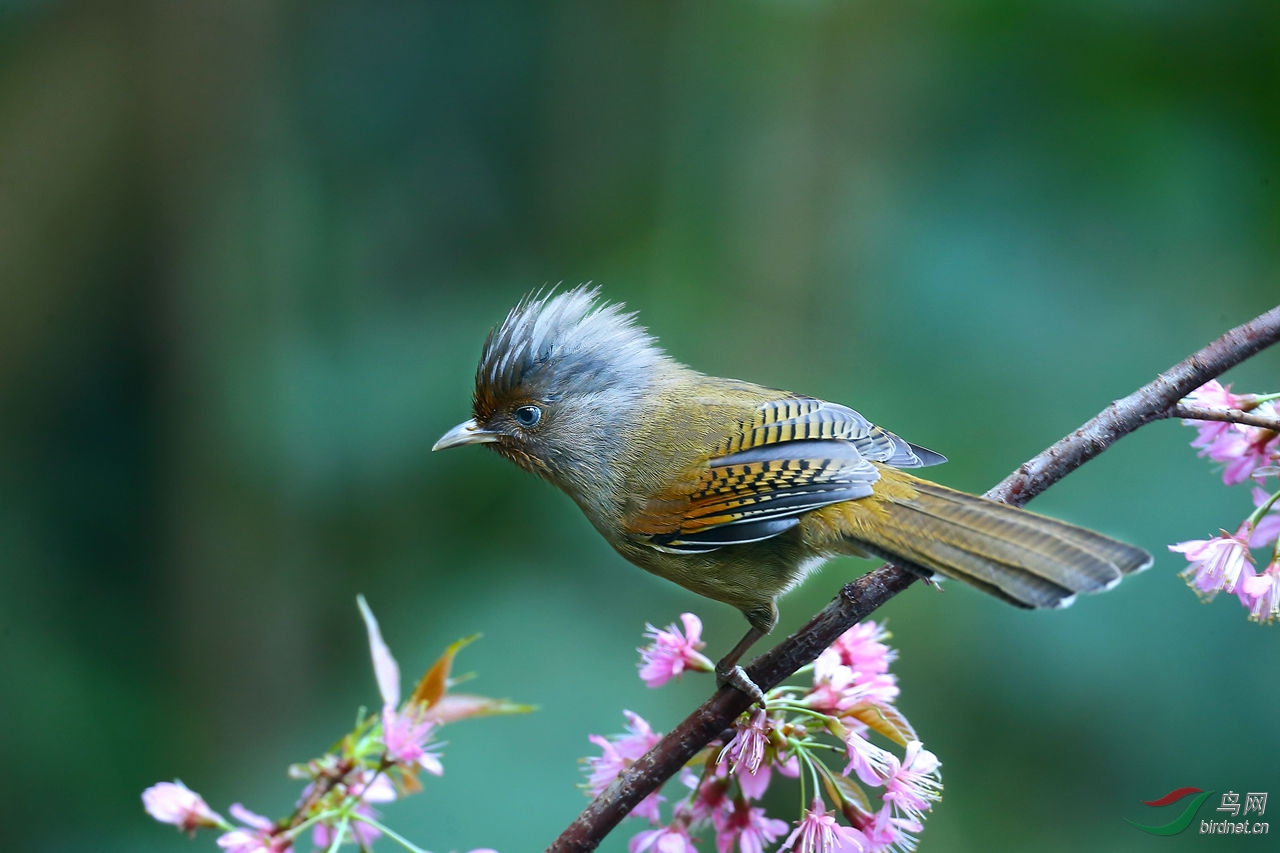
pixel 558 383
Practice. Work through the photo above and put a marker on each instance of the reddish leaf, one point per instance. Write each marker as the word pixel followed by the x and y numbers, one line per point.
pixel 434 684
pixel 886 720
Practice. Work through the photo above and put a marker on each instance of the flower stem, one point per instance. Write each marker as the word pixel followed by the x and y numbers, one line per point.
pixel 1262 510
pixel 389 833
pixel 339 834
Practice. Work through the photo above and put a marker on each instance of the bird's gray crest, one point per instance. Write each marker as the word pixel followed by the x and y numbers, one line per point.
pixel 551 339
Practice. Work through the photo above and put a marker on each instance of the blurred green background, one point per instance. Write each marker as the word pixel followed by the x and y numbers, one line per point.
pixel 248 255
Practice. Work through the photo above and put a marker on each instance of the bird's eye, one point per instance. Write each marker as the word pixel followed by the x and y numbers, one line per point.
pixel 528 416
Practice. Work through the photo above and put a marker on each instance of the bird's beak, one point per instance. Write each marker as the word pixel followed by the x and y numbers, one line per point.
pixel 467 432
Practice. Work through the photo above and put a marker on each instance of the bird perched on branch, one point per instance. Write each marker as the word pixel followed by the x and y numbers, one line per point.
pixel 736 491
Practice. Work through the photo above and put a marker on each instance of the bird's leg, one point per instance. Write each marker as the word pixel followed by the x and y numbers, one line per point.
pixel 728 672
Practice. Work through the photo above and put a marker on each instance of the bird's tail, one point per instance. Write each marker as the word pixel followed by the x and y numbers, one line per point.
pixel 1027 559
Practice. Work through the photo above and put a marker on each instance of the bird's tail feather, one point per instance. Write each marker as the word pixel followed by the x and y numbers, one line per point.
pixel 1027 559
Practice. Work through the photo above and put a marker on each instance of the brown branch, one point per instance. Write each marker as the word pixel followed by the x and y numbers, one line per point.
pixel 861 597
pixel 1231 416
pixel 1149 403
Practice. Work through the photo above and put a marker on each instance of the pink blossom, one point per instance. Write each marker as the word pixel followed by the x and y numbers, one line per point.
pixel 1243 449
pixel 862 648
pixel 1261 594
pixel 663 839
pixel 747 746
pixel 257 838
pixel 748 826
pixel 854 671
pixel 385 668
pixel 249 818
pixel 753 785
pixel 620 752
pixel 406 734
pixel 1216 563
pixel 872 764
pixel 710 793
pixel 837 686
pixel 175 803
pixel 913 785
pixel 1240 448
pixel 788 765
pixel 372 787
pixel 671 652
pixel 878 689
pixel 1212 395
pixel 405 731
pixel 712 787
pixel 245 841
pixel 818 832
pixel 887 831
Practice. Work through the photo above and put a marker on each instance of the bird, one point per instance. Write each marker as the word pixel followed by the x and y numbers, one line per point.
pixel 736 491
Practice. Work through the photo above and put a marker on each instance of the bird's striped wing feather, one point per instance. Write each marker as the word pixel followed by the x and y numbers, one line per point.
pixel 794 456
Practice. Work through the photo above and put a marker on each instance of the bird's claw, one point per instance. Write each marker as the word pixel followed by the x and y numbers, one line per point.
pixel 738 679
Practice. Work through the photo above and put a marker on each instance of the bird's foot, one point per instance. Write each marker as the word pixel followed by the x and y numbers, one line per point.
pixel 737 678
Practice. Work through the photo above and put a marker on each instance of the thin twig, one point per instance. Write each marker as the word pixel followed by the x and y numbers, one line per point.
pixel 1231 416
pixel 861 597
pixel 1149 403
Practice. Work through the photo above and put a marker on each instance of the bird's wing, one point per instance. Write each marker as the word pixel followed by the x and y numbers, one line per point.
pixel 793 456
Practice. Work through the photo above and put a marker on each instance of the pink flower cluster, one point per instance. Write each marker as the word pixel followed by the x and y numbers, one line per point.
pixel 849 696
pixel 672 652
pixel 1241 449
pixel 1225 563
pixel 377 763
